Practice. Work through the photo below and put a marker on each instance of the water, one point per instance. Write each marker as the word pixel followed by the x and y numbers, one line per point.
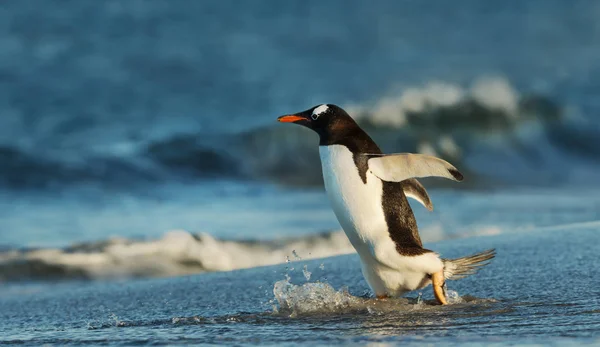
pixel 538 290
pixel 139 154
pixel 456 215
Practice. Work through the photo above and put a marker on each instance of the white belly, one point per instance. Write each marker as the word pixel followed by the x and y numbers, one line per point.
pixel 357 205
pixel 358 208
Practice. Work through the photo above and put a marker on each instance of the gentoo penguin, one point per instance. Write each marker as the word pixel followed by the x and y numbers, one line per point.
pixel 367 190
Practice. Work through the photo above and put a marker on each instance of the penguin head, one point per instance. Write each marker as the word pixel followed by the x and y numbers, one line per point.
pixel 327 120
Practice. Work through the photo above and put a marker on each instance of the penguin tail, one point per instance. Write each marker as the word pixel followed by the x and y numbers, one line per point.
pixel 466 266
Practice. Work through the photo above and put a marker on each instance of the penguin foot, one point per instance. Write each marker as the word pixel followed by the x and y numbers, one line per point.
pixel 439 287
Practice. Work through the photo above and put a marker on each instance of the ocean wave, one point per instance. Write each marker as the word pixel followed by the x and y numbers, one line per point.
pixel 188 155
pixel 488 123
pixel 489 104
pixel 21 169
pixel 439 119
pixel 180 253
pixel 177 253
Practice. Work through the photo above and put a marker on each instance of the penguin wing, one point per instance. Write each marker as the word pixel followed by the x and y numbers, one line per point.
pixel 413 189
pixel 402 166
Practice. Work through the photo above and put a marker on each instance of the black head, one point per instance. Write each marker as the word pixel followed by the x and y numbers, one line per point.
pixel 329 121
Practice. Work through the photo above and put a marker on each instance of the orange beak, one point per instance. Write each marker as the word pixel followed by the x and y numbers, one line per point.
pixel 290 118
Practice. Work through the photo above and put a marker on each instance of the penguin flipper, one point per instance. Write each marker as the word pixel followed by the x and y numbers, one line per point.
pixel 415 190
pixel 402 166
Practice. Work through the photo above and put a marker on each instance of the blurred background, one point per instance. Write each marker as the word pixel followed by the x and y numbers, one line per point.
pixel 138 138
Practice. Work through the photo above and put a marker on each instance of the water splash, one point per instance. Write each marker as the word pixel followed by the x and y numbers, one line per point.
pixel 306 273
pixel 321 298
pixel 454 298
pixel 188 320
pixel 296 300
pixel 117 322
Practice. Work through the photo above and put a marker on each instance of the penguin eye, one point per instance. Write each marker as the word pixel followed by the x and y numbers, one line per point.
pixel 314 116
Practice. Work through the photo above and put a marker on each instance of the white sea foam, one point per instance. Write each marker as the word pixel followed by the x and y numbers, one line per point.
pixel 176 253
pixel 179 252
pixel 449 147
pixel 494 93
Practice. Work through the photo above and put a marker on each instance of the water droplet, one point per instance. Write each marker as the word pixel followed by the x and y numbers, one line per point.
pixel 306 273
pixel 453 297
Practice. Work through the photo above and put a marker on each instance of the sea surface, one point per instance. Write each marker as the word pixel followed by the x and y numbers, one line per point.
pixel 148 195
pixel 540 290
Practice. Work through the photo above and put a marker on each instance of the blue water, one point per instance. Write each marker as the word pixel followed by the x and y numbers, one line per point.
pixel 138 139
pixel 538 291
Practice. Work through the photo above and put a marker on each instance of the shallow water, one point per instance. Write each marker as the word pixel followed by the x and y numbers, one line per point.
pixel 539 289
pixel 267 226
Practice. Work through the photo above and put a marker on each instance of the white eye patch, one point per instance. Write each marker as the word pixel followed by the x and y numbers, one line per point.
pixel 319 111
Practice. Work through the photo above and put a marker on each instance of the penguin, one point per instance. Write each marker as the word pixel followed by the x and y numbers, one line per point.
pixel 368 193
